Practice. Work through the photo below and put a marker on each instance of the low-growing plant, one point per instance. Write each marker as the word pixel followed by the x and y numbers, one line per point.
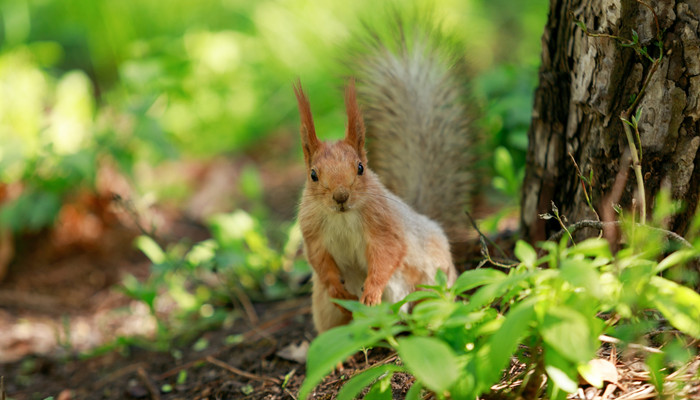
pixel 237 264
pixel 548 312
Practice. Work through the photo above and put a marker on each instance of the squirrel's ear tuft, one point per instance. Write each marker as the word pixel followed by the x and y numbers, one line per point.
pixel 309 140
pixel 355 135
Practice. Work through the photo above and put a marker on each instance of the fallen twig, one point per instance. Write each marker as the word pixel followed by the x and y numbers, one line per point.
pixel 610 339
pixel 155 393
pixel 485 249
pixel 242 373
pixel 119 373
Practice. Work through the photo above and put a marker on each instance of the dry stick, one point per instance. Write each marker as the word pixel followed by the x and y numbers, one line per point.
pixel 242 373
pixel 247 305
pixel 610 339
pixel 155 393
pixel 602 225
pixel 118 374
pixel 485 250
pixel 128 206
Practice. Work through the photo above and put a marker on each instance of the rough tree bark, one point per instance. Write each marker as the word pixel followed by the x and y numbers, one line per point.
pixel 586 82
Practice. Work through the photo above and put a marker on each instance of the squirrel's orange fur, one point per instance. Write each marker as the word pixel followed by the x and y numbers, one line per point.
pixel 362 241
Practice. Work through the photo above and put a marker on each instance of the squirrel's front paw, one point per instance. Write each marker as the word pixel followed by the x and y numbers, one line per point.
pixel 371 298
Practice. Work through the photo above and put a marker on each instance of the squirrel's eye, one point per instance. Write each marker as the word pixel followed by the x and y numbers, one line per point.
pixel 360 169
pixel 314 176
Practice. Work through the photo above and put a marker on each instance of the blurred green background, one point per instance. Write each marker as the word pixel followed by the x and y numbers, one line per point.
pixel 140 82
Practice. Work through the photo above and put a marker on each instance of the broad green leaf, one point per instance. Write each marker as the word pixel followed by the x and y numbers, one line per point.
pixel 561 379
pixel 567 331
pixel 381 390
pixel 350 305
pixel 679 304
pixel 433 313
pixel 525 253
pixel 505 341
pixel 560 370
pixel 581 273
pixel 503 162
pixel 151 249
pixel 357 383
pixel 431 361
pixel 414 393
pixel 594 247
pixel 476 277
pixel 332 347
pixel 490 292
pixel 675 258
pixel 419 295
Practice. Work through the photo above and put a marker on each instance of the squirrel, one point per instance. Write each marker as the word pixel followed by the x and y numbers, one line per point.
pixel 376 239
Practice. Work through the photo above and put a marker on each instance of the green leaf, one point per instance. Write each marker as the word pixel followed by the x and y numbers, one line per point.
pixel 476 277
pixel 582 273
pixel 567 331
pixel 594 247
pixel 503 162
pixel 414 393
pixel 525 253
pixel 505 341
pixel 561 371
pixel 357 383
pixel 490 292
pixel 381 390
pixel 419 295
pixel 675 258
pixel 151 249
pixel 679 304
pixel 433 313
pixel 431 361
pixel 350 305
pixel 332 347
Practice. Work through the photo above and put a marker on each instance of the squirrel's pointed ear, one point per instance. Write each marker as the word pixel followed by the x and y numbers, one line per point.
pixel 309 140
pixel 355 134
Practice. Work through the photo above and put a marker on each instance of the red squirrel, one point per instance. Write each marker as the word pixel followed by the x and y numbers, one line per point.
pixel 363 240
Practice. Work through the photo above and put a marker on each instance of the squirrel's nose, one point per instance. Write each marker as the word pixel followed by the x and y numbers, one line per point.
pixel 341 196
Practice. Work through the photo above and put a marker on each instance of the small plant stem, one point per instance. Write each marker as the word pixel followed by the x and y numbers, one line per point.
pixel 555 210
pixel 652 70
pixel 637 166
pixel 583 185
pixel 392 341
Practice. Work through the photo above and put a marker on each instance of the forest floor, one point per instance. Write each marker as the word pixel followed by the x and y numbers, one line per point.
pixel 58 301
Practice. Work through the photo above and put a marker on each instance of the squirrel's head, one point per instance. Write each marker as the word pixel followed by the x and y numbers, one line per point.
pixel 335 171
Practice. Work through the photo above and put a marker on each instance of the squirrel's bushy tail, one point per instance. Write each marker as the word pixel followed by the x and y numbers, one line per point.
pixel 412 91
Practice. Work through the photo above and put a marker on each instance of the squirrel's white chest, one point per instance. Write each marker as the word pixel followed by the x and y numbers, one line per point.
pixel 344 238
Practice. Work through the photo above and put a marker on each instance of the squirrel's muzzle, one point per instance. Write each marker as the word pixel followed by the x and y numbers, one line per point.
pixel 341 195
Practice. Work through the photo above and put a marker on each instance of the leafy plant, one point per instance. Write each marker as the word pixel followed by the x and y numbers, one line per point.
pixel 237 264
pixel 547 311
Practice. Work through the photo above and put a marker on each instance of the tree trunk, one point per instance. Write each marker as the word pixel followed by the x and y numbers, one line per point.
pixel 586 81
